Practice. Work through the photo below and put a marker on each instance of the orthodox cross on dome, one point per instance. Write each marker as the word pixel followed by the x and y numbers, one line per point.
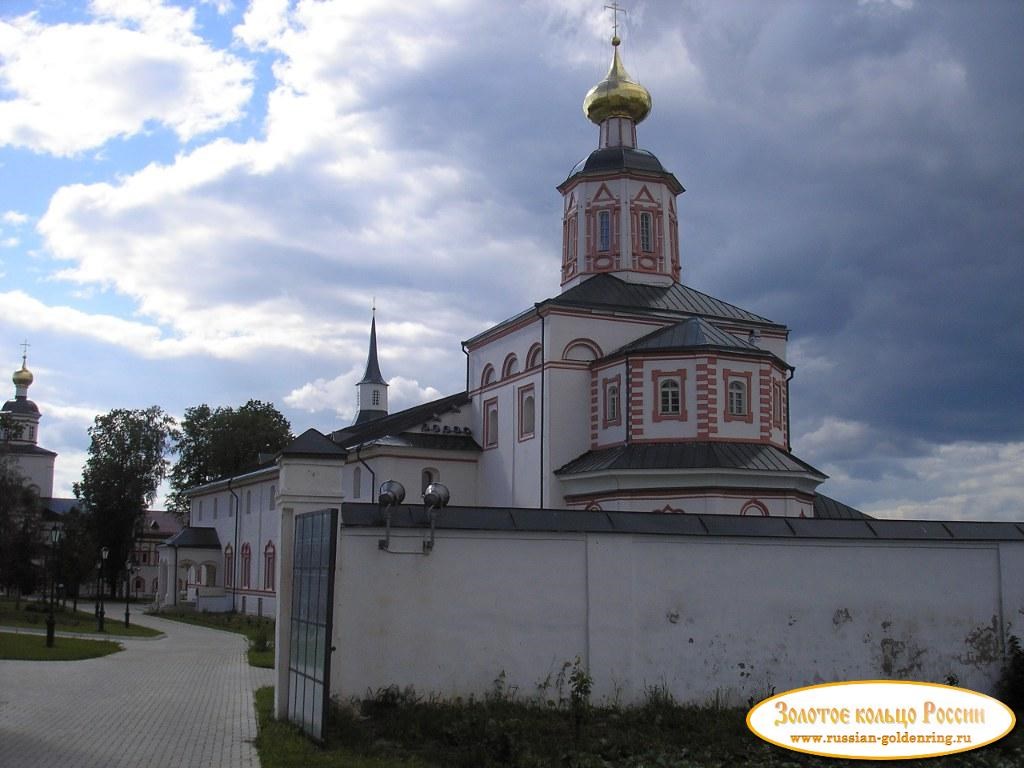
pixel 24 351
pixel 616 9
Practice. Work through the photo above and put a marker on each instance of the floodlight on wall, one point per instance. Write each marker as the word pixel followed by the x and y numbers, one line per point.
pixel 391 494
pixel 435 498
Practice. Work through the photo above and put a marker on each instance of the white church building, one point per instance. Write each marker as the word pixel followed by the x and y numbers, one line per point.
pixel 627 391
pixel 622 489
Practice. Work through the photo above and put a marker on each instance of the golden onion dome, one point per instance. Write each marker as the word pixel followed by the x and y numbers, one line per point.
pixel 22 378
pixel 618 95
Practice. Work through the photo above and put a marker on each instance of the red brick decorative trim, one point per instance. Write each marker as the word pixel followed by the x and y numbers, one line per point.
pixel 745 377
pixel 657 378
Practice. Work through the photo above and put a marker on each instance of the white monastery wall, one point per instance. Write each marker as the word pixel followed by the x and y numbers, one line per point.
pixel 704 617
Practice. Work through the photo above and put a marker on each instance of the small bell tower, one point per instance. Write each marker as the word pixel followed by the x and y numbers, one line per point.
pixel 372 389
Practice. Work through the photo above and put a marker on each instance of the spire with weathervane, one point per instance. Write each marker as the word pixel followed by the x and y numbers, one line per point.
pixel 619 202
pixel 372 389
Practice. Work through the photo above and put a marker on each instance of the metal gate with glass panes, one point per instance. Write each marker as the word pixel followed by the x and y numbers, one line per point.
pixel 309 661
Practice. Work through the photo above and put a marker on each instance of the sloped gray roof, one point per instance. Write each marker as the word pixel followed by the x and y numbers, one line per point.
pixel 25 449
pixel 826 508
pixel 398 423
pixel 20 405
pixel 312 443
pixel 606 291
pixel 694 332
pixel 617 159
pixel 194 538
pixel 710 454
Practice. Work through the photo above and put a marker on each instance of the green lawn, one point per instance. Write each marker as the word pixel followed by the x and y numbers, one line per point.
pixel 33 615
pixel 33 648
pixel 397 728
pixel 259 630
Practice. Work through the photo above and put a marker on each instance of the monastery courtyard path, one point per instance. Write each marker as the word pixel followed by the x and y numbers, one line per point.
pixel 185 699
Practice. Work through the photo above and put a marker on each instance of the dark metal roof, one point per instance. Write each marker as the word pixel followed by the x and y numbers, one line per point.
pixel 21 405
pixel 398 423
pixel 826 508
pixel 368 415
pixel 441 441
pixel 710 454
pixel 692 333
pixel 372 374
pixel 195 538
pixel 312 443
pixel 661 524
pixel 607 160
pixel 25 449
pixel 60 506
pixel 608 292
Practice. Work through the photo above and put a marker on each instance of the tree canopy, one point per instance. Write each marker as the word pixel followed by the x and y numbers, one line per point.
pixel 125 465
pixel 20 526
pixel 223 441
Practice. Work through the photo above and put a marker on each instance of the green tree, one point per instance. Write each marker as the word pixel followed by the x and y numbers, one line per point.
pixel 20 531
pixel 126 462
pixel 77 553
pixel 223 441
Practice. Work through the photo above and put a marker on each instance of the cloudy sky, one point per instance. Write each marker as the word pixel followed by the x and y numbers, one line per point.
pixel 199 202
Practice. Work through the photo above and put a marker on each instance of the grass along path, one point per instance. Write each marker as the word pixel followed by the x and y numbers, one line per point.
pixel 400 729
pixel 32 615
pixel 33 648
pixel 259 630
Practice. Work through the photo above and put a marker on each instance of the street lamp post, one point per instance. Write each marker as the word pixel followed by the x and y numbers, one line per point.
pixel 55 535
pixel 104 554
pixel 127 588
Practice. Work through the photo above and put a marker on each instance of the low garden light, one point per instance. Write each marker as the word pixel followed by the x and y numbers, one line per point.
pixel 129 566
pixel 56 533
pixel 100 564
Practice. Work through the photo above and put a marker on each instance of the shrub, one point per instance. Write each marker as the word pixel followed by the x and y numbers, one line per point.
pixel 1010 687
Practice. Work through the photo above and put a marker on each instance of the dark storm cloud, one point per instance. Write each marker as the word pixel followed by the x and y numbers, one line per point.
pixel 853 170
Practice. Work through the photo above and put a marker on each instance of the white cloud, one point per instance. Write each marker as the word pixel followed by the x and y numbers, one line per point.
pixel 959 481
pixel 76 86
pixel 14 217
pixel 339 394
pixel 239 247
pixel 9 242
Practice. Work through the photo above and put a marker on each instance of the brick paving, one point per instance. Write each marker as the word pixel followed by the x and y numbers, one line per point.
pixel 185 699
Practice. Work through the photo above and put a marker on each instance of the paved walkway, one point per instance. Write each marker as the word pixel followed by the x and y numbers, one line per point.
pixel 180 700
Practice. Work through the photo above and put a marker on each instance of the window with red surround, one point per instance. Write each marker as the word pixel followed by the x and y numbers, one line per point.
pixel 490 423
pixel 269 562
pixel 737 396
pixel 777 403
pixel 510 366
pixel 487 377
pixel 669 395
pixel 246 565
pixel 527 412
pixel 229 566
pixel 612 387
pixel 602 223
pixel 533 357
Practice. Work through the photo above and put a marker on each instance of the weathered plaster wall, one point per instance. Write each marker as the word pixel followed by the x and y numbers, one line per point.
pixel 704 617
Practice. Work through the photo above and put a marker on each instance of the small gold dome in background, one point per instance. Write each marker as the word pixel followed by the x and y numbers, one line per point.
pixel 24 377
pixel 618 95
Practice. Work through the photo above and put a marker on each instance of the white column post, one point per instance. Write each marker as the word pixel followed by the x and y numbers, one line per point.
pixel 282 629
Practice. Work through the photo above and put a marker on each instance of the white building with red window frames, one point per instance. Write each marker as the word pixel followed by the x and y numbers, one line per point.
pixel 627 391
